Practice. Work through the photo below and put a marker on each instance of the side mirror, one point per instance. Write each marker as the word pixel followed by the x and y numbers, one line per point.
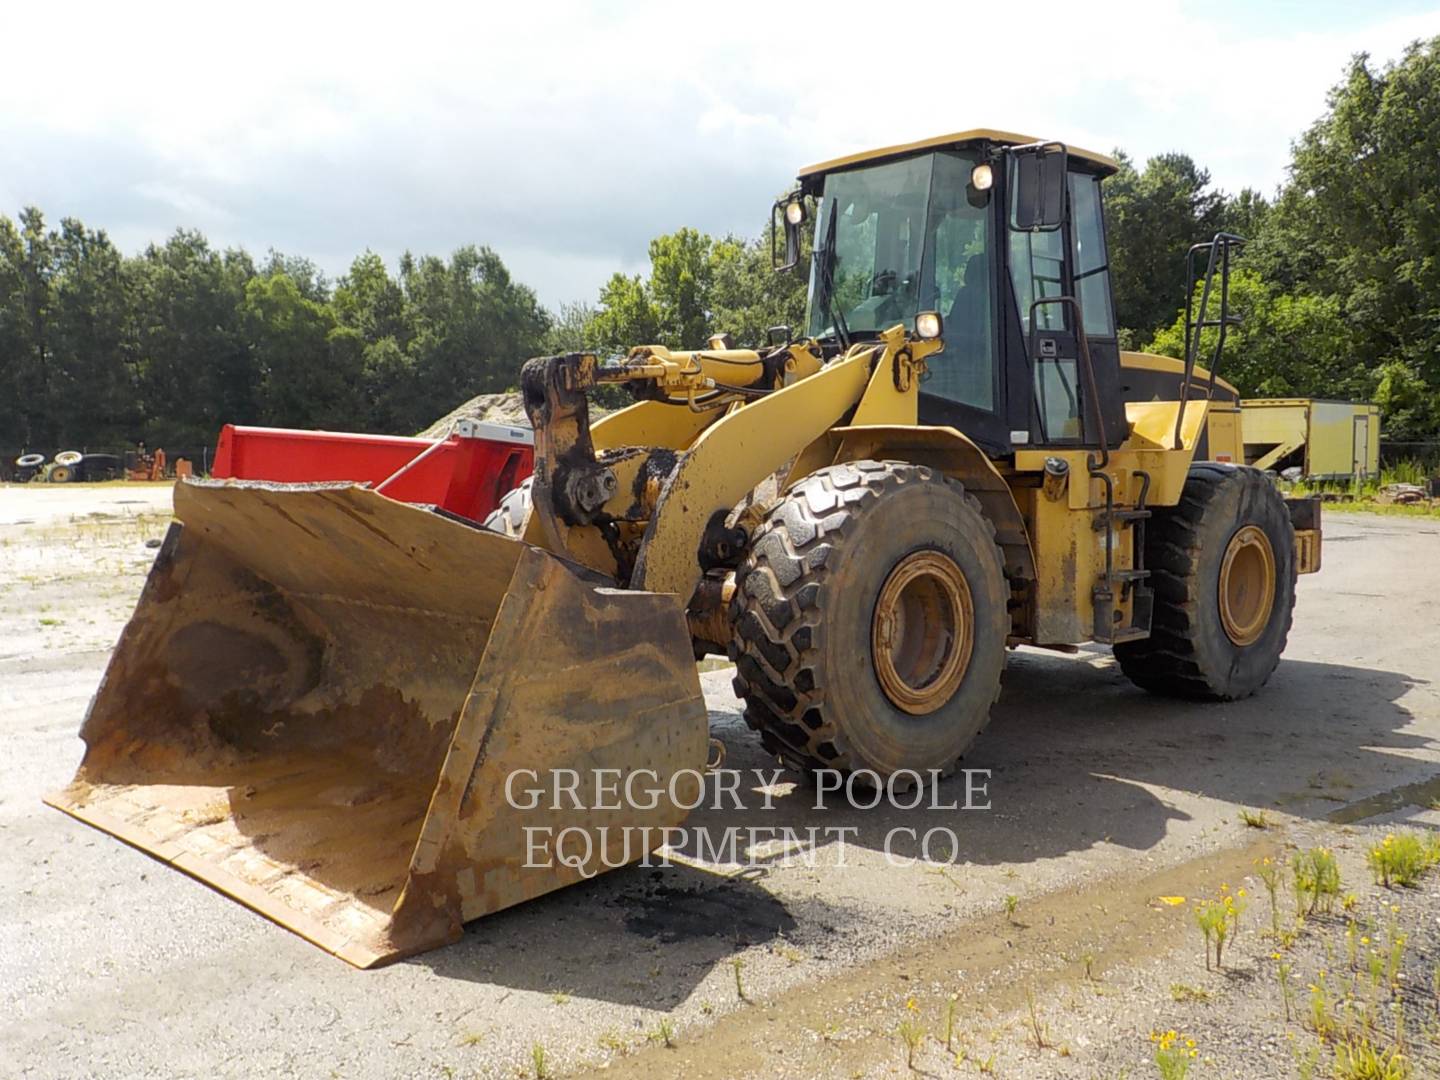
pixel 1037 172
pixel 790 212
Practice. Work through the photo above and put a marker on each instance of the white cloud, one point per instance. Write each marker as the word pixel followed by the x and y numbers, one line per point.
pixel 566 135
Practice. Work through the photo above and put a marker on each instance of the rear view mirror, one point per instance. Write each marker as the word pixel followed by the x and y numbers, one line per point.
pixel 790 212
pixel 1038 177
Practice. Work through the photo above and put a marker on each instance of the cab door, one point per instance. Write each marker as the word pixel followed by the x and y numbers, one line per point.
pixel 1069 260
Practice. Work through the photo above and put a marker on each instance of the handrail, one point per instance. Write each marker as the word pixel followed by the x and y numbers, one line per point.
pixel 1218 248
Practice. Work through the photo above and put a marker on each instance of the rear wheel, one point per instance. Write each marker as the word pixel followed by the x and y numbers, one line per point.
pixel 508 518
pixel 870 619
pixel 1222 564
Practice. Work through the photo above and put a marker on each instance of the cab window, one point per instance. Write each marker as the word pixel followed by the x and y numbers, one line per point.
pixel 1091 265
pixel 1037 261
pixel 957 275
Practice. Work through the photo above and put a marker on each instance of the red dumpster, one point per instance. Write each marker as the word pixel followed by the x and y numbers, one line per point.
pixel 466 473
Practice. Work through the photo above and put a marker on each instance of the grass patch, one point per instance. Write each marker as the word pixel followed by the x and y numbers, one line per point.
pixel 1402 858
pixel 1255 819
pixel 1360 1059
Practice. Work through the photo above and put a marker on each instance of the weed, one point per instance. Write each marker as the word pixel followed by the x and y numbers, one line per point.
pixel 911 1032
pixel 1088 959
pixel 1306 1063
pixel 1219 920
pixel 789 954
pixel 537 1059
pixel 51 622
pixel 610 1040
pixel 1322 1009
pixel 1317 881
pixel 664 1034
pixel 1011 903
pixel 1269 872
pixel 1255 819
pixel 987 1066
pixel 1397 953
pixel 1037 1029
pixel 1287 994
pixel 1400 859
pixel 706 1008
pixel 560 997
pixel 1183 992
pixel 737 964
pixel 472 1038
pixel 1174 1054
pixel 1359 1059
pixel 950 1020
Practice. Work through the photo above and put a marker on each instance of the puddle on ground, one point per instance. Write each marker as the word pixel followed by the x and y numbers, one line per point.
pixel 1422 793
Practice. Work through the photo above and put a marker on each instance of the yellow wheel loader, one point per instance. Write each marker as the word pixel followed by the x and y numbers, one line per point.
pixel 338 708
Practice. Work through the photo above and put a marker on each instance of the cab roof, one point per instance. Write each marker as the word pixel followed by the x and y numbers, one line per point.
pixel 1105 165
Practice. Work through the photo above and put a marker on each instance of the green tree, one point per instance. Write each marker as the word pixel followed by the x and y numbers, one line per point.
pixel 680 275
pixel 1153 216
pixel 474 328
pixel 371 305
pixel 1359 222
pixel 26 270
pixel 627 316
pixel 309 367
pixel 748 297
pixel 94 398
pixel 1285 345
pixel 196 369
pixel 569 329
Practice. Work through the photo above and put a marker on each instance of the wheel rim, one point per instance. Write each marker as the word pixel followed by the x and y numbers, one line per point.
pixel 1247 585
pixel 921 634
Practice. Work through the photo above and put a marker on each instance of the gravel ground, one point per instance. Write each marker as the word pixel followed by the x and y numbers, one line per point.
pixel 1102 799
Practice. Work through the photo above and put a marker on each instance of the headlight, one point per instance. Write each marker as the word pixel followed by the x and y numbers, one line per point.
pixel 981 177
pixel 928 325
pixel 795 212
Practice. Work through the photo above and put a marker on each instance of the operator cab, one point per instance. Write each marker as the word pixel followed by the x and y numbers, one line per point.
pixel 938 226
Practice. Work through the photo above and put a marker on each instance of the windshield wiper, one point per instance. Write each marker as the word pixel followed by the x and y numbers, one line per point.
pixel 825 272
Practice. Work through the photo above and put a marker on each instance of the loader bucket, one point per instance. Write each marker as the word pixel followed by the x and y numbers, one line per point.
pixel 322 692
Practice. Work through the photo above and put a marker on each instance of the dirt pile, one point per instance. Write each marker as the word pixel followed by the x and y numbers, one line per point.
pixel 503 408
pixel 492 408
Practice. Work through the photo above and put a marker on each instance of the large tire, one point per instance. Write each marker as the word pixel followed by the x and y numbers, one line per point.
pixel 809 663
pixel 508 518
pixel 1212 637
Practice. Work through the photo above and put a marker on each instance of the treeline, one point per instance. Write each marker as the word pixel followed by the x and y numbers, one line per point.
pixel 97 348
pixel 1339 290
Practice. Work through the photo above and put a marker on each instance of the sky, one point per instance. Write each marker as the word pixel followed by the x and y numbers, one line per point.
pixel 565 136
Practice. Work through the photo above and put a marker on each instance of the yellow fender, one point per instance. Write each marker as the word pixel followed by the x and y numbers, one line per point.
pixel 950 452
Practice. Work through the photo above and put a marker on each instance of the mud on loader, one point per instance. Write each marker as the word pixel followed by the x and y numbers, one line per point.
pixel 322 692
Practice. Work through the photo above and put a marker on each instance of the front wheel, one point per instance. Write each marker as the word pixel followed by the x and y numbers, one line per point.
pixel 870 616
pixel 1222 564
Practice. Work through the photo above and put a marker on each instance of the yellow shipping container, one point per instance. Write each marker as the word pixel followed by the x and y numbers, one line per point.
pixel 1327 440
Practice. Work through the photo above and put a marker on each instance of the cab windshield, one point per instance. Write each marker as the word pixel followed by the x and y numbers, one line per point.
pixel 908 236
